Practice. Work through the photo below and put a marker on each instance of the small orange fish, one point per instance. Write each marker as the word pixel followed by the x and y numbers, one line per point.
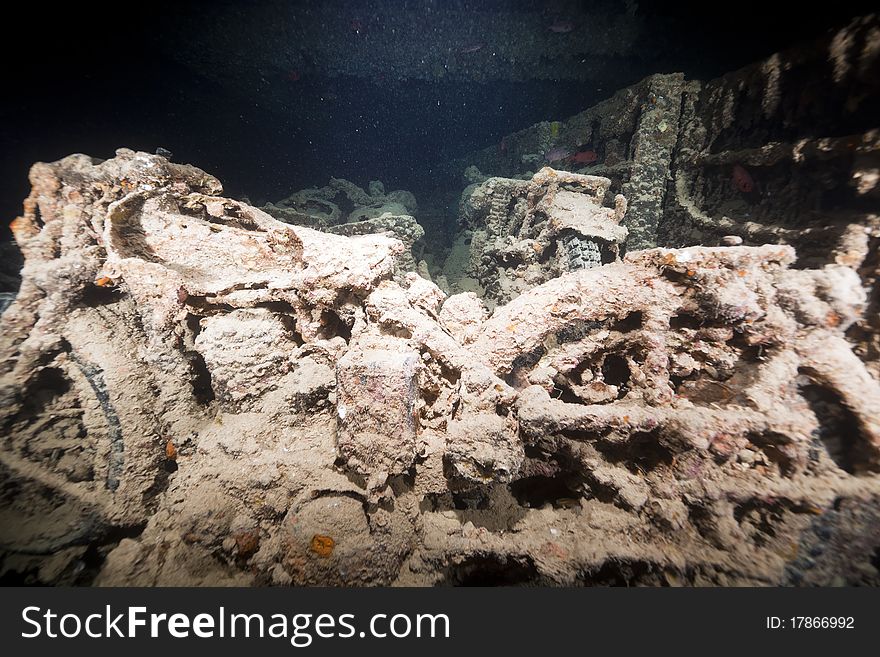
pixel 742 179
pixel 584 157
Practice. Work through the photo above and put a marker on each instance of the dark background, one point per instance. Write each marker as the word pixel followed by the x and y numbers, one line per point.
pixel 89 77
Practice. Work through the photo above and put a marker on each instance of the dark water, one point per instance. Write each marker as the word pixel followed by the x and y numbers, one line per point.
pixel 92 77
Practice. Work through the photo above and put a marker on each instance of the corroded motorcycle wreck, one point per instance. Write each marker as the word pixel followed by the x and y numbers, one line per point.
pixel 195 393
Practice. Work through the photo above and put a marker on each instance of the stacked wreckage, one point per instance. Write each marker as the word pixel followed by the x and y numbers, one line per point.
pixel 199 392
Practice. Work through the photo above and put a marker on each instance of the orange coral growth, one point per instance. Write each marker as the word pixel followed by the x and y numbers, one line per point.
pixel 22 228
pixel 247 542
pixel 322 545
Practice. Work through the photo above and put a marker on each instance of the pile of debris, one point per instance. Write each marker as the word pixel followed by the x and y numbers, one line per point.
pixel 195 393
